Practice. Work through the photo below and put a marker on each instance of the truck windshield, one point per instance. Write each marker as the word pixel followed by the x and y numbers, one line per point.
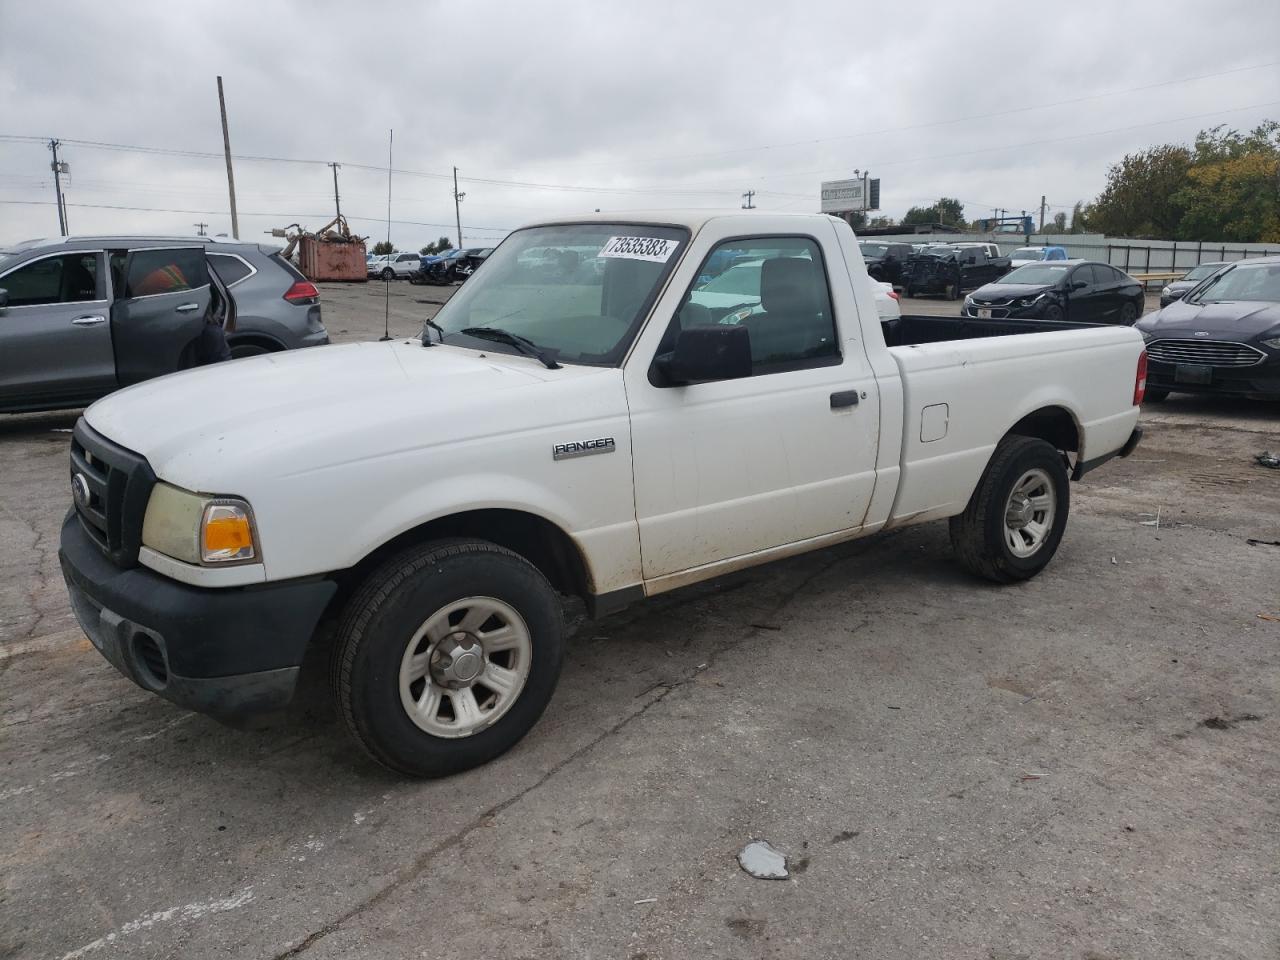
pixel 578 291
pixel 1036 273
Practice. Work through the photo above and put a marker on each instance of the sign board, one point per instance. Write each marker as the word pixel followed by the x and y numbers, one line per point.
pixel 841 196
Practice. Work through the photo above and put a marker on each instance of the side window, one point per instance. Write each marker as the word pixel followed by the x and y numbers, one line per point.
pixel 1102 275
pixel 68 279
pixel 229 269
pixel 777 288
pixel 153 272
pixel 1082 275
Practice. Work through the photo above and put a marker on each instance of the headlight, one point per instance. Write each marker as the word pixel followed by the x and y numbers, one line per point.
pixel 199 529
pixel 1272 342
pixel 1164 291
pixel 968 300
pixel 1147 335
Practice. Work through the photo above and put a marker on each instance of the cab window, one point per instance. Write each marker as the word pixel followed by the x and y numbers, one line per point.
pixel 73 278
pixel 777 288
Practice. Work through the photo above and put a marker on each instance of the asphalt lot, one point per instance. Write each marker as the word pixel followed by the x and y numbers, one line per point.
pixel 1083 766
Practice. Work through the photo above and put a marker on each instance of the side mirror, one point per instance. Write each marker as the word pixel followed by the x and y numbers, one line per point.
pixel 708 353
pixel 1078 285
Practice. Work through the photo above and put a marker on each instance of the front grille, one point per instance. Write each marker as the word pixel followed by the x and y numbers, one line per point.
pixel 997 313
pixel 119 483
pixel 1213 353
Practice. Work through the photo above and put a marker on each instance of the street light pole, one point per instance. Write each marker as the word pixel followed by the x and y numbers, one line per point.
pixel 457 209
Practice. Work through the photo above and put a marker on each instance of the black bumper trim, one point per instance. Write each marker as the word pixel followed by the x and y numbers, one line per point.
pixel 1130 445
pixel 226 651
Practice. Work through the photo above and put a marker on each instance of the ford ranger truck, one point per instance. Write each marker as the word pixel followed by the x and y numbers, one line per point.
pixel 588 423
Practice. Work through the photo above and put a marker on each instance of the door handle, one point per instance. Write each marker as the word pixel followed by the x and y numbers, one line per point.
pixel 844 398
pixel 187 307
pixel 90 321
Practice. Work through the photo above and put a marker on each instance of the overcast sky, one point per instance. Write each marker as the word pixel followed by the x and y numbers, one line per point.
pixel 643 104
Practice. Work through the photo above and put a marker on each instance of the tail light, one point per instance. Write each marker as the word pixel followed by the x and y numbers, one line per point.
pixel 302 291
pixel 893 293
pixel 1140 379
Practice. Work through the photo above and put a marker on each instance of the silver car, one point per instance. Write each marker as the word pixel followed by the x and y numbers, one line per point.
pixel 83 316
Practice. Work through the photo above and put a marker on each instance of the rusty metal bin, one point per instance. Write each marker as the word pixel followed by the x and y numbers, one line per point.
pixel 321 260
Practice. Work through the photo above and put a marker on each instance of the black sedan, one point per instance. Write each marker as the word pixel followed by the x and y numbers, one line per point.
pixel 1190 280
pixel 1224 337
pixel 1077 290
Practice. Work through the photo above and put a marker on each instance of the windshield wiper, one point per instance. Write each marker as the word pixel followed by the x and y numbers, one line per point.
pixel 523 344
pixel 426 337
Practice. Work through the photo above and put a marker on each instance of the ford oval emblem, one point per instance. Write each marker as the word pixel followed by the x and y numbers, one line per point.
pixel 1202 333
pixel 80 490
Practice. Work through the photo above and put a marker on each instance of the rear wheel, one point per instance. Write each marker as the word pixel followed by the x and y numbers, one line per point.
pixel 447 656
pixel 1128 314
pixel 1015 519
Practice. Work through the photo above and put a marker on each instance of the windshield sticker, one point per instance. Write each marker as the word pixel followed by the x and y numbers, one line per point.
pixel 653 249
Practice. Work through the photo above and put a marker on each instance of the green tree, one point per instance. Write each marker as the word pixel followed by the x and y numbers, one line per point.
pixel 1139 198
pixel 382 248
pixel 948 211
pixel 437 246
pixel 1232 191
pixel 1059 222
pixel 1079 218
pixel 881 222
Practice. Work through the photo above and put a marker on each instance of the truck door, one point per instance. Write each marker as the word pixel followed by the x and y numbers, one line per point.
pixel 728 468
pixel 55 339
pixel 157 319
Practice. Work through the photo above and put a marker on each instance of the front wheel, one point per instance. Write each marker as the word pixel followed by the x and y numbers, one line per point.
pixel 447 656
pixel 388 274
pixel 1015 519
pixel 1053 313
pixel 1155 396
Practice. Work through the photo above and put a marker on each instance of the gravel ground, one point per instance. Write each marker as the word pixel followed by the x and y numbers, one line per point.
pixel 1082 766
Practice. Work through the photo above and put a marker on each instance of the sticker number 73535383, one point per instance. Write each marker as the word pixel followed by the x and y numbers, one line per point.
pixel 639 248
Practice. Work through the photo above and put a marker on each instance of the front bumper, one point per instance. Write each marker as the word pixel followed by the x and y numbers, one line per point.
pixel 1006 311
pixel 227 652
pixel 1259 380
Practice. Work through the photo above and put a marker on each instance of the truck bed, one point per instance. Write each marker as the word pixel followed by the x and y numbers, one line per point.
pixel 910 330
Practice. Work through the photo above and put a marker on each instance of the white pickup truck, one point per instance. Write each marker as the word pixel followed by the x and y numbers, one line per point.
pixel 590 424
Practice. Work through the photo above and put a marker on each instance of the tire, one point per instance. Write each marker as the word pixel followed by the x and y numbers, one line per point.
pixel 1155 396
pixel 388 274
pixel 239 350
pixel 386 629
pixel 1053 313
pixel 983 536
pixel 1128 314
pixel 910 291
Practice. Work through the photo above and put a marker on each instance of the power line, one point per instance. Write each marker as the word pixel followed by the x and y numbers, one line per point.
pixel 247 213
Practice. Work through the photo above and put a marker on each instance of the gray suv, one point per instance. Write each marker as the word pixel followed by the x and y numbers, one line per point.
pixel 83 316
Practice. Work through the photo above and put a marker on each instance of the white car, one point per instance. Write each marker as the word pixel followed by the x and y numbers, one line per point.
pixel 395 266
pixel 595 432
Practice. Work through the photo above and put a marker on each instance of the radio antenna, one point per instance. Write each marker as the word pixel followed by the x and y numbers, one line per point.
pixel 386 315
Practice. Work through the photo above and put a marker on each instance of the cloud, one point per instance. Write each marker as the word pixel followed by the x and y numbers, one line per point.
pixel 667 104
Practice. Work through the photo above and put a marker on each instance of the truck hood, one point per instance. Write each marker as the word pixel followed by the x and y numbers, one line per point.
pixel 247 414
pixel 1231 319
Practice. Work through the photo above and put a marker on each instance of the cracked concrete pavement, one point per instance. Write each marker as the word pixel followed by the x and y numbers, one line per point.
pixel 1082 766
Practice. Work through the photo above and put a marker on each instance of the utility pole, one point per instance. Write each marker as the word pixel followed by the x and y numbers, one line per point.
pixel 200 229
pixel 457 210
pixel 1042 213
pixel 747 196
pixel 336 205
pixel 226 148
pixel 58 170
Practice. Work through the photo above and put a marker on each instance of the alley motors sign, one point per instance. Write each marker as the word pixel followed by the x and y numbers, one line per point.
pixel 841 196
